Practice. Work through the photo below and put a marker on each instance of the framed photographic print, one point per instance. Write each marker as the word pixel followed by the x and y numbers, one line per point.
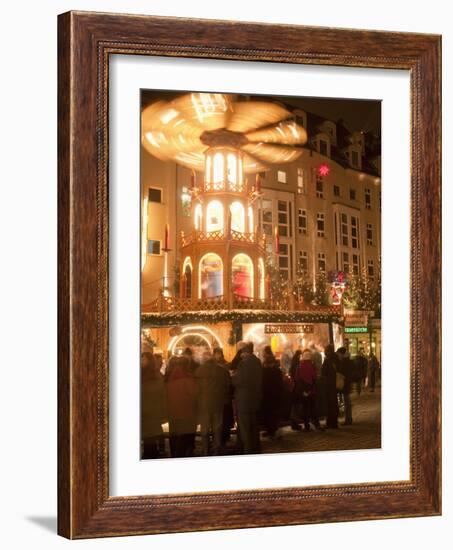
pixel 249 275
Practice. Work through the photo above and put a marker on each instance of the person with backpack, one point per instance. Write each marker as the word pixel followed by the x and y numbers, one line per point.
pixel 305 379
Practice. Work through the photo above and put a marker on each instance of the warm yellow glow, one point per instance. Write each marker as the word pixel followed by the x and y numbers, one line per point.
pixel 242 272
pixel 218 168
pixel 208 169
pixel 232 167
pixel 187 262
pixel 250 212
pixel 144 231
pixel 210 276
pixel 214 216
pixel 198 217
pixel 237 217
pixel 261 279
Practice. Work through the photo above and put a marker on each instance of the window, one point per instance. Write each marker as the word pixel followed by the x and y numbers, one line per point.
pixel 281 176
pixel 371 270
pixel 303 261
pixel 214 217
pixel 321 261
pixel 267 217
pixel 250 215
pixel 336 190
pixel 301 182
pixel 302 222
pixel 369 234
pixel 261 279
pixel 154 247
pixel 282 211
pixel 344 230
pixel 352 194
pixel 346 262
pixel 320 224
pixel 187 279
pixel 232 167
pixel 237 217
pixel 355 264
pixel 218 171
pixel 198 217
pixel 354 232
pixel 242 276
pixel 355 159
pixel 154 195
pixel 283 260
pixel 319 187
pixel 323 147
pixel 186 201
pixel 210 284
pixel 368 199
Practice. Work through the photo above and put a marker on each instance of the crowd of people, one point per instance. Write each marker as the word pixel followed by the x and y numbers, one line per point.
pixel 248 396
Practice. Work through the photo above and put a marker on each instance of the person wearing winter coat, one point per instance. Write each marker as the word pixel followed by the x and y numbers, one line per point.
pixel 346 368
pixel 271 404
pixel 247 382
pixel 228 413
pixel 329 374
pixel 153 407
pixel 305 380
pixel 213 394
pixel 182 393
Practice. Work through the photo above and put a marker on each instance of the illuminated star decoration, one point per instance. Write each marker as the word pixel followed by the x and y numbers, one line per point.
pixel 324 170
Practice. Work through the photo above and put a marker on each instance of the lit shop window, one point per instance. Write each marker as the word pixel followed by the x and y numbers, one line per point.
pixel 214 217
pixel 210 276
pixel 198 220
pixel 320 224
pixel 321 261
pixel 369 234
pixel 302 221
pixel 237 217
pixel 242 276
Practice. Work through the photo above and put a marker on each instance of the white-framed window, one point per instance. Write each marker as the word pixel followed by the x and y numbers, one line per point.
pixel 355 232
pixel 319 187
pixel 303 261
pixel 267 217
pixel 281 176
pixel 320 224
pixel 336 190
pixel 186 201
pixel 283 219
pixel 321 261
pixel 369 234
pixel 370 269
pixel 301 182
pixel 368 199
pixel 355 264
pixel 352 195
pixel 346 262
pixel 344 230
pixel 302 221
pixel 283 260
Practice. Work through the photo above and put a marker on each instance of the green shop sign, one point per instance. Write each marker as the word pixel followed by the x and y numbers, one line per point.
pixel 355 330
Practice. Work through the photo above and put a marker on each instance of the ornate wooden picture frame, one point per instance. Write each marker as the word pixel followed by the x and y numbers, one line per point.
pixel 85 508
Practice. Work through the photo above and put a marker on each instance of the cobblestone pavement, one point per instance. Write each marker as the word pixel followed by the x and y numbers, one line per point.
pixel 364 433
